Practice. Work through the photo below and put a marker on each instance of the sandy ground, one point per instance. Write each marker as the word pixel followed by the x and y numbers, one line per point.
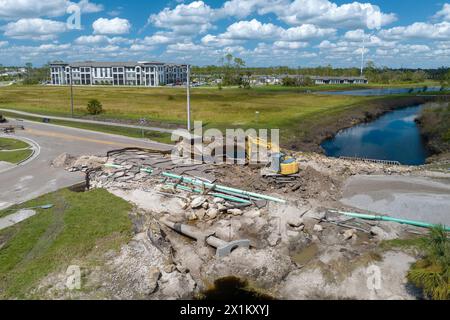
pixel 415 198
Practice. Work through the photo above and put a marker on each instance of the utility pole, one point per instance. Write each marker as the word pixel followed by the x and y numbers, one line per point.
pixel 362 57
pixel 188 85
pixel 71 92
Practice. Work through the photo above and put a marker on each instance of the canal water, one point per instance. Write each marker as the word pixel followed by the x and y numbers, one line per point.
pixel 381 91
pixel 393 136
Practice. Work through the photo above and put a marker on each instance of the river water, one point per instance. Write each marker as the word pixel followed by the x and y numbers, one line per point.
pixel 393 136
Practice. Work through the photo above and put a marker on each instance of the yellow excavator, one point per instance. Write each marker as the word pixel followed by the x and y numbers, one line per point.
pixel 279 163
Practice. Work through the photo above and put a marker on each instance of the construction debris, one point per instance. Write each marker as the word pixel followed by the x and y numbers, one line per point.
pixel 223 248
pixel 279 217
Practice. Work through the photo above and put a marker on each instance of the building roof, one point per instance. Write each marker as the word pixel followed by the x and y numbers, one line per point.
pixel 104 64
pixel 337 78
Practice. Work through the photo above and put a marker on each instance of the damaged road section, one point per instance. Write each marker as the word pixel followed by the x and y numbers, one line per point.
pixel 279 235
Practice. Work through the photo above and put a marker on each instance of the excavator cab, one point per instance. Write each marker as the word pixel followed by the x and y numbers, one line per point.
pixel 278 162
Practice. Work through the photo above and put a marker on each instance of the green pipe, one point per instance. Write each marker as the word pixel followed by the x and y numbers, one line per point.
pixel 215 194
pixel 222 188
pixel 233 191
pixel 391 219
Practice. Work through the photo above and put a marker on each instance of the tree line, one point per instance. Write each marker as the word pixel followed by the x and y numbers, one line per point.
pixel 233 71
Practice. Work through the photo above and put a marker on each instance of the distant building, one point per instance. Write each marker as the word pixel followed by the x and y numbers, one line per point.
pixel 318 80
pixel 267 80
pixel 339 80
pixel 148 74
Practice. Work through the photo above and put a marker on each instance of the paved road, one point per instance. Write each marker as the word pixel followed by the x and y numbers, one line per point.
pixel 415 198
pixel 37 177
pixel 23 113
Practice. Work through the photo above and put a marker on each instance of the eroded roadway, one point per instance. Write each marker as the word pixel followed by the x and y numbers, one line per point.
pixel 38 177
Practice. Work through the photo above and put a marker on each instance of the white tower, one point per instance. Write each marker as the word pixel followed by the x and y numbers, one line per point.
pixel 362 56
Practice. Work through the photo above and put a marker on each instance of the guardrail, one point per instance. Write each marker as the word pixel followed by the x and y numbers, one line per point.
pixel 388 162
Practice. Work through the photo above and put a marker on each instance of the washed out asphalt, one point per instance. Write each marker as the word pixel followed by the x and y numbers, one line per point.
pixel 37 177
pixel 414 198
pixel 405 197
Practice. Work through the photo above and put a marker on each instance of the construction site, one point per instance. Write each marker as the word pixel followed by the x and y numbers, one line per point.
pixel 289 228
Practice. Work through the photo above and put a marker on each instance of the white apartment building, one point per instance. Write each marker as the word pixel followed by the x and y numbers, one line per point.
pixel 148 74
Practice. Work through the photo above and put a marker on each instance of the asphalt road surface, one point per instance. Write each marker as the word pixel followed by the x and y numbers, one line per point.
pixel 111 124
pixel 413 198
pixel 37 177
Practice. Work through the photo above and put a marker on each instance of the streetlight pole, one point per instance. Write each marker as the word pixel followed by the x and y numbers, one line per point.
pixel 188 93
pixel 71 92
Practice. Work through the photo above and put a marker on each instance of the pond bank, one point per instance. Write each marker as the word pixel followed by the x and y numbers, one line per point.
pixel 325 127
pixel 434 125
pixel 395 136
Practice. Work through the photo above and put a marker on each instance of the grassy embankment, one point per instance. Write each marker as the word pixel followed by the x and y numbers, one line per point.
pixel 79 225
pixel 435 126
pixel 6 153
pixel 298 114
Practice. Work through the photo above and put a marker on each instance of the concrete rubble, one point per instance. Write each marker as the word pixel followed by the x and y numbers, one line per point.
pixel 296 250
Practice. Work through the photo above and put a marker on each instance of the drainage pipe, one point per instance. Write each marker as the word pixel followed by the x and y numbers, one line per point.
pixel 215 194
pixel 222 188
pixel 390 219
pixel 195 233
pixel 233 191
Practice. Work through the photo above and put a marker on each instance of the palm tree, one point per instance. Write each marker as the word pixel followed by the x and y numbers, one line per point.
pixel 431 273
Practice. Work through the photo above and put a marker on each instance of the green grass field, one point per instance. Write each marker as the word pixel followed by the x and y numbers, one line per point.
pixel 291 109
pixel 79 224
pixel 230 105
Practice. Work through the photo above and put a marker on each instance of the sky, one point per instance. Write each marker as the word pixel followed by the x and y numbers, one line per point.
pixel 295 33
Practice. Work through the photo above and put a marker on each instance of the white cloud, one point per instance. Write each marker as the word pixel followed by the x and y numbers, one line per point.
pixel 215 41
pixel 254 29
pixel 157 39
pixel 415 48
pixel 305 32
pixel 53 47
pixel 444 14
pixel 190 18
pixel 19 9
pixel 239 8
pixel 319 12
pixel 355 35
pixel 418 30
pixel 290 45
pixel 89 7
pixel 3 43
pixel 326 45
pixel 13 9
pixel 34 29
pixel 141 48
pixel 100 39
pixel 250 30
pixel 184 47
pixel 324 12
pixel 93 39
pixel 111 26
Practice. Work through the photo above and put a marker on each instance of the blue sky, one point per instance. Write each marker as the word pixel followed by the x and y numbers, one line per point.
pixel 395 33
